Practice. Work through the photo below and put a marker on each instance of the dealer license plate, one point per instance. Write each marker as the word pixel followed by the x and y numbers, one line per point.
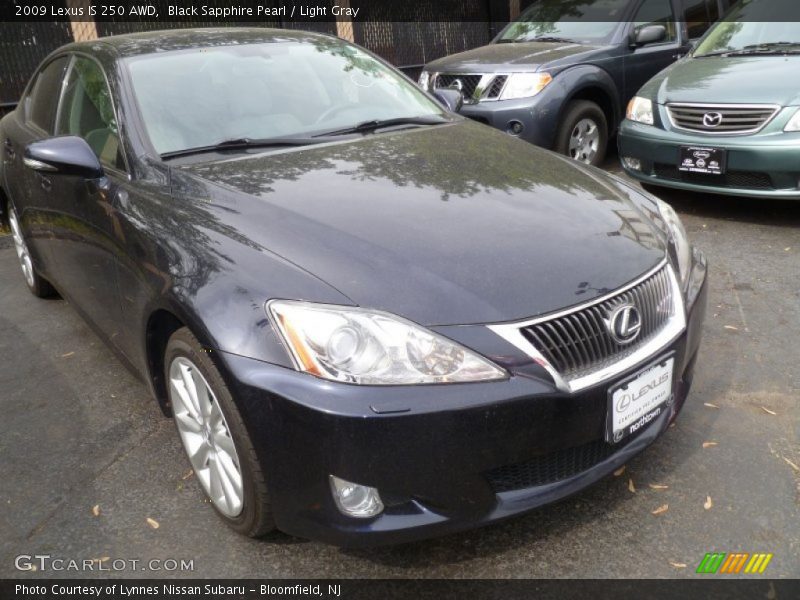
pixel 696 159
pixel 639 401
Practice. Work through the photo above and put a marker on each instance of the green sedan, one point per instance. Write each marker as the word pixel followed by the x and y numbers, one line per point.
pixel 725 119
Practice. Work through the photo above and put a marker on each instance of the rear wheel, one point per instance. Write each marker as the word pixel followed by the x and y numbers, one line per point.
pixel 583 134
pixel 38 285
pixel 215 438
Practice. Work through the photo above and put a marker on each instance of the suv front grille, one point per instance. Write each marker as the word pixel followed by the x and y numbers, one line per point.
pixel 474 87
pixel 579 343
pixel 721 119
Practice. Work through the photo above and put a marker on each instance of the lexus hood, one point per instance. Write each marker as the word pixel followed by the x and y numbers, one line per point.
pixel 733 79
pixel 444 225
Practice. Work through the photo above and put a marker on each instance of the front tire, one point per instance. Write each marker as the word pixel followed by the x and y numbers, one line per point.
pixel 215 438
pixel 37 284
pixel 583 133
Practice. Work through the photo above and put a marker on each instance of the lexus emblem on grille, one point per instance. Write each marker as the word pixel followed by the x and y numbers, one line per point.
pixel 712 119
pixel 624 323
pixel 457 85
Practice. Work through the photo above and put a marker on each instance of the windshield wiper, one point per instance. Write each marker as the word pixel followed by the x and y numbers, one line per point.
pixel 766 48
pixel 549 38
pixel 370 126
pixel 242 143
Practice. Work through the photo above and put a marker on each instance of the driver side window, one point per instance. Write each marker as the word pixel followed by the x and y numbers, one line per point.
pixel 657 12
pixel 87 111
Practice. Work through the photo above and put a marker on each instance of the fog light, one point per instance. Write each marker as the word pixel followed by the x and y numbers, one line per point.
pixel 634 164
pixel 354 500
pixel 515 127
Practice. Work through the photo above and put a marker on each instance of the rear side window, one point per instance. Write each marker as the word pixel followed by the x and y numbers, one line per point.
pixel 88 112
pixel 699 16
pixel 43 98
pixel 657 12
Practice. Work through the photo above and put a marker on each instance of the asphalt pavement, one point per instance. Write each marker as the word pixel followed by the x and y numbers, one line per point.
pixel 86 458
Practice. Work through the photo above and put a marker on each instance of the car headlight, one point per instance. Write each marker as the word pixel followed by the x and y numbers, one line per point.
pixel 794 123
pixel 424 80
pixel 683 249
pixel 640 110
pixel 525 85
pixel 356 345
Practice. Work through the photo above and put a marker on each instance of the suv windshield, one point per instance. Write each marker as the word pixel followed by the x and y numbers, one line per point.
pixel 757 27
pixel 206 96
pixel 576 21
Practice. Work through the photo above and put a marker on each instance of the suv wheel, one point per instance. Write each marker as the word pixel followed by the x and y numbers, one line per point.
pixel 215 438
pixel 38 285
pixel 583 134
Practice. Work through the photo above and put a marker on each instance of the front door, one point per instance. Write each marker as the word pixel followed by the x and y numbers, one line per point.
pixel 644 62
pixel 87 242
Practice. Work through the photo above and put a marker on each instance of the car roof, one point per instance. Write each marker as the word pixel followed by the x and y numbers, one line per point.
pixel 151 42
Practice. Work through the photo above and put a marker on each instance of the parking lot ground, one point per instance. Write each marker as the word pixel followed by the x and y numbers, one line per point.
pixel 78 431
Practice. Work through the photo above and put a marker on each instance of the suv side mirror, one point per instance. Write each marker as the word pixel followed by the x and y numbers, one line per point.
pixel 452 100
pixel 650 35
pixel 69 155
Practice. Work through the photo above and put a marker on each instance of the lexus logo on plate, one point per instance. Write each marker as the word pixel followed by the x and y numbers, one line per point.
pixel 712 120
pixel 624 323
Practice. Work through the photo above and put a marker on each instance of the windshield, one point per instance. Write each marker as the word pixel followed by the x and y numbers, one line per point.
pixel 204 96
pixel 755 26
pixel 589 21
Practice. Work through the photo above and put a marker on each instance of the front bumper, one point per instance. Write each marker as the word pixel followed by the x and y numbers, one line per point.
pixel 434 452
pixel 764 165
pixel 538 116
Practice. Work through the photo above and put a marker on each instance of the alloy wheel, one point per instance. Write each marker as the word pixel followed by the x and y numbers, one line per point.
pixel 21 247
pixel 584 142
pixel 206 437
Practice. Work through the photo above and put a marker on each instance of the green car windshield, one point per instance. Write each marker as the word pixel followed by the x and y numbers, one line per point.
pixel 574 21
pixel 758 27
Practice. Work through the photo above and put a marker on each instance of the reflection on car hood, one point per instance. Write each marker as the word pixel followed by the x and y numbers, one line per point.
pixel 453 224
pixel 734 79
pixel 497 58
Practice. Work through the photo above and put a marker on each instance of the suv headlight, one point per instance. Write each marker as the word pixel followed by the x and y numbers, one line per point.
pixel 640 110
pixel 424 80
pixel 525 85
pixel 683 249
pixel 794 123
pixel 356 345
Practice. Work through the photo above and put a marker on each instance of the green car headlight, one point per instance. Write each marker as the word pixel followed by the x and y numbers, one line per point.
pixel 794 123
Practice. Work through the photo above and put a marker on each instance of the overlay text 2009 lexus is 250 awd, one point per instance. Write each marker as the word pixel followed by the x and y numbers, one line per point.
pixel 373 320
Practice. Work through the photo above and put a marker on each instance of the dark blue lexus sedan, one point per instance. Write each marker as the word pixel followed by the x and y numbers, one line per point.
pixel 372 319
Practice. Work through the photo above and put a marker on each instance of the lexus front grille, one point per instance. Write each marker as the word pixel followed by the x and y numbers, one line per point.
pixel 579 346
pixel 721 119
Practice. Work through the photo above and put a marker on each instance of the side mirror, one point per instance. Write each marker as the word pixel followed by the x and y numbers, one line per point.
pixel 650 35
pixel 69 155
pixel 452 100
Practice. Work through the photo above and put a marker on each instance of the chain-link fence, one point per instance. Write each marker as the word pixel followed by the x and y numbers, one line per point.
pixel 406 34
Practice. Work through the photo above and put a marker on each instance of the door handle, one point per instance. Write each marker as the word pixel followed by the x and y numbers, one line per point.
pixel 45 182
pixel 9 147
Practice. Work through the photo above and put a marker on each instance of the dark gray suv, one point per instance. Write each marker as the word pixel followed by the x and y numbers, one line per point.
pixel 561 74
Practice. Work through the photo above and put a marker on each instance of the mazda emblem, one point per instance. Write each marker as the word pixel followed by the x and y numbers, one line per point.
pixel 712 120
pixel 624 324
